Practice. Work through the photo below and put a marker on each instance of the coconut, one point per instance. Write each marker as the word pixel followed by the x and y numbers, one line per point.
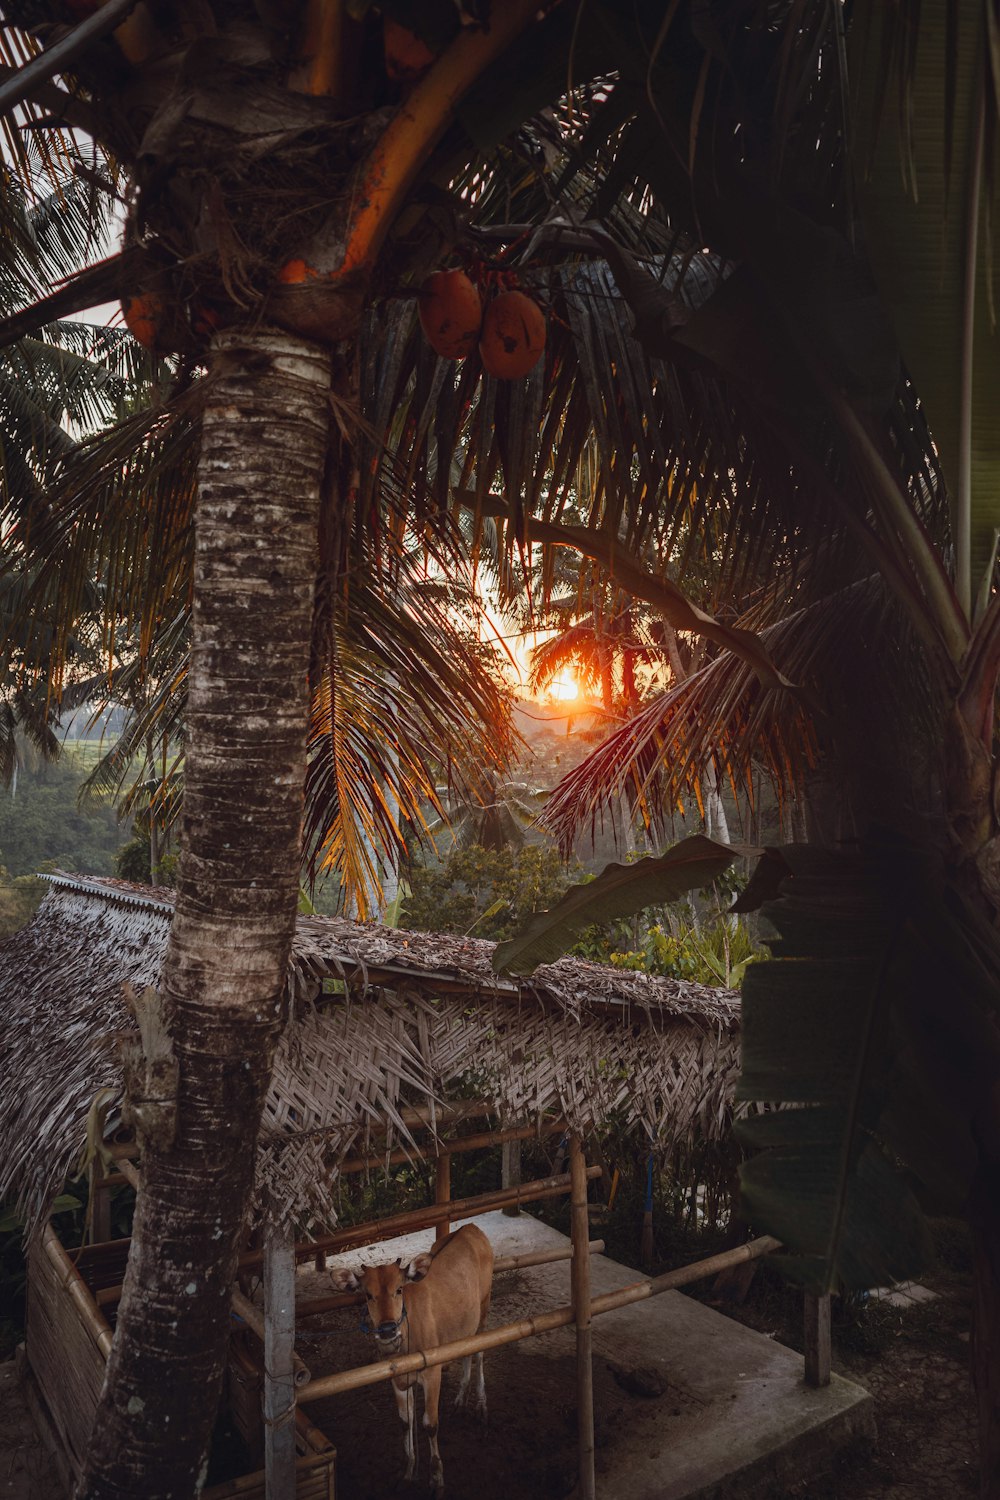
pixel 513 338
pixel 144 318
pixel 451 313
pixel 407 57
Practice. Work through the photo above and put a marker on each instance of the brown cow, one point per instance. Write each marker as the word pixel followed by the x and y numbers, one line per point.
pixel 439 1296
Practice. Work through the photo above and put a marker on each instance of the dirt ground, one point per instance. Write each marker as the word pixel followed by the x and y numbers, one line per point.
pixel 528 1448
pixel 913 1360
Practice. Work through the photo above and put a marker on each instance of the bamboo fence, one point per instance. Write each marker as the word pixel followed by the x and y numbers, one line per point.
pixel 68 1340
pixel 524 1328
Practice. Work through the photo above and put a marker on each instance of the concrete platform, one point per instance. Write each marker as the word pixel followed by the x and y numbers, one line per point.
pixel 738 1417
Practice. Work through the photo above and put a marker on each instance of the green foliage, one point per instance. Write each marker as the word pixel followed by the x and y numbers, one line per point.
pixel 20 897
pixel 486 892
pixel 618 891
pixel 716 955
pixel 43 825
pixel 132 862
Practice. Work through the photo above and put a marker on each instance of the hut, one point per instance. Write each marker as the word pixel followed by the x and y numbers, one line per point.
pixel 392 1038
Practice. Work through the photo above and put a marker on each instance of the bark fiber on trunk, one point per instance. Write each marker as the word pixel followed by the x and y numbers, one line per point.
pixel 261 468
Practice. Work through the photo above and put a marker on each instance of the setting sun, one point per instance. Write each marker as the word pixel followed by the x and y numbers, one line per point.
pixel 563 688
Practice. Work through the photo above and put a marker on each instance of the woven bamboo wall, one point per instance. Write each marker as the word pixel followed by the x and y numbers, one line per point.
pixel 64 1359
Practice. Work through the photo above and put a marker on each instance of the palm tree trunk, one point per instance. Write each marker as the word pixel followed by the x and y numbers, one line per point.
pixel 258 504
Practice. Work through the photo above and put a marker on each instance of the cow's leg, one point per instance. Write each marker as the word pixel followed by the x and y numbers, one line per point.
pixel 479 1402
pixel 431 1382
pixel 463 1388
pixel 406 1406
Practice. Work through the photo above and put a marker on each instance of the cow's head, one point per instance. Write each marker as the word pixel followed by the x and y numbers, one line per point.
pixel 385 1308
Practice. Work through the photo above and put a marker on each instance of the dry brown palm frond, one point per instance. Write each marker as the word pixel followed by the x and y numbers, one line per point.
pixel 721 725
pixel 408 696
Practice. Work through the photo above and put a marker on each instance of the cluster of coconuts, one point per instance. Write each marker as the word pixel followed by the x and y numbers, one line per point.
pixel 510 334
pixel 148 319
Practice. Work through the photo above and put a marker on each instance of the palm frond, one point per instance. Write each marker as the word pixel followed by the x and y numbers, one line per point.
pixel 721 725
pixel 406 696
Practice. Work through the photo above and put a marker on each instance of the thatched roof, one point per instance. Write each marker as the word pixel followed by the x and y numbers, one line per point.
pixel 379 1019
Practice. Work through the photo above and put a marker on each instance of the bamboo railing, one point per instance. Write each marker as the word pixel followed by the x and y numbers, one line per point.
pixel 423 1218
pixel 512 1333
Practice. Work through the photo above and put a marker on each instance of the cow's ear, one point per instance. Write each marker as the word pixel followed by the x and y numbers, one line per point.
pixel 344 1280
pixel 419 1266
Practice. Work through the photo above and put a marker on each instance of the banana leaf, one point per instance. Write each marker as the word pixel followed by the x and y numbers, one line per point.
pixel 873 1027
pixel 618 891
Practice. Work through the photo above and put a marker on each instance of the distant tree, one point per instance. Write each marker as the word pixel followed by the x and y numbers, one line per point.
pixel 43 823
pixel 484 892
pixel 20 896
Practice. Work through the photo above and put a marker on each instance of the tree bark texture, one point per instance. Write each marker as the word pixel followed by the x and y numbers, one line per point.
pixel 261 468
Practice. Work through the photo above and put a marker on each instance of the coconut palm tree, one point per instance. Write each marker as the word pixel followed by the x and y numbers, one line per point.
pixel 270 158
pixel 750 408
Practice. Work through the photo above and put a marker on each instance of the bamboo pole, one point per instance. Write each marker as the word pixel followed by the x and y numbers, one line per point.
pixel 400 1157
pixel 512 1333
pixel 414 1219
pixel 405 1364
pixel 254 1319
pixel 74 1285
pixel 100 1204
pixel 311 1307
pixel 313 1439
pixel 279 1375
pixel 403 1155
pixel 580 1284
pixel 416 1118
pixel 637 1291
pixel 543 1257
pixel 129 1172
pixel 423 1218
pixel 442 1195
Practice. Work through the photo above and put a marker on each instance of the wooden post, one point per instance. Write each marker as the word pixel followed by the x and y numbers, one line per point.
pixel 279 1374
pixel 817 1340
pixel 511 1173
pixel 100 1205
pixel 646 1238
pixel 580 1283
pixel 442 1194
